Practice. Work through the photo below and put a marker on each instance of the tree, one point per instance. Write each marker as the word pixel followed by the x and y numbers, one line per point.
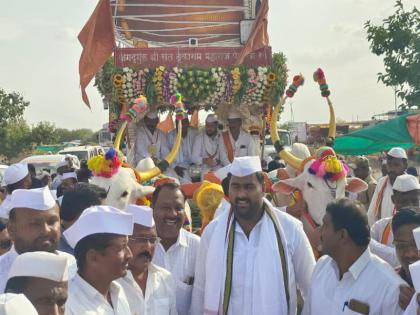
pixel 12 106
pixel 398 41
pixel 15 138
pixel 44 133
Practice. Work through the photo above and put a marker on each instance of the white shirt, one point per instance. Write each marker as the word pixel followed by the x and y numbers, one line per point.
pixel 244 146
pixel 205 147
pixel 160 293
pixel 387 206
pixel 83 299
pixel 8 258
pixel 300 264
pixel 385 251
pixel 369 280
pixel 144 139
pixel 413 306
pixel 180 261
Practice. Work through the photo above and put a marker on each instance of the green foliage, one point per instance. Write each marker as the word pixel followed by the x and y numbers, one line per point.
pixel 15 138
pixel 44 133
pixel 12 106
pixel 280 69
pixel 398 41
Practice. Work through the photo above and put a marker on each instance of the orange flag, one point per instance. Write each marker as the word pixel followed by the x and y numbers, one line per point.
pixel 259 33
pixel 167 124
pixel 98 42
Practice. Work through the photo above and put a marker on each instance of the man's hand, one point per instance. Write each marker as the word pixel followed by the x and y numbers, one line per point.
pixel 179 171
pixel 405 296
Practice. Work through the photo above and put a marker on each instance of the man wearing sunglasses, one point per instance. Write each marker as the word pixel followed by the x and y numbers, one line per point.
pixel 150 289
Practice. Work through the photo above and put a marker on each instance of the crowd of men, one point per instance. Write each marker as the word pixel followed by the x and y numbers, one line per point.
pixel 63 251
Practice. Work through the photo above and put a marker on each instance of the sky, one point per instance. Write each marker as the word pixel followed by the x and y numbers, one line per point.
pixel 39 55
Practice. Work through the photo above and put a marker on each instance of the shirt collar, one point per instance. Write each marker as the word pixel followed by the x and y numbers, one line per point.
pixel 360 264
pixel 90 291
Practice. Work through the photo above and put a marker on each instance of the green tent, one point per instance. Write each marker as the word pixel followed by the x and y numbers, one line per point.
pixel 378 138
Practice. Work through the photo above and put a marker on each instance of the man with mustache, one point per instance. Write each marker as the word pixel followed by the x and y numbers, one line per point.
pixel 150 289
pixel 381 205
pixel 252 257
pixel 34 225
pixel 177 250
pixel 99 239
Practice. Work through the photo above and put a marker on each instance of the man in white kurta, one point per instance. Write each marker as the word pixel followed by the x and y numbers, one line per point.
pixel 99 239
pixel 28 206
pixel 405 195
pixel 206 146
pixel 181 166
pixel 178 248
pixel 150 141
pixel 381 205
pixel 259 273
pixel 236 142
pixel 150 289
pixel 348 279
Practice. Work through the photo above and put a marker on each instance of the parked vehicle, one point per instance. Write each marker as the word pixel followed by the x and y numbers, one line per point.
pixel 48 162
pixel 85 152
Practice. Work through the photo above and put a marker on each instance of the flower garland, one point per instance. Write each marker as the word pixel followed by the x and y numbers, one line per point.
pixel 208 88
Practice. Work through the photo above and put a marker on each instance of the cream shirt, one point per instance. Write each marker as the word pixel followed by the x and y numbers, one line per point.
pixel 144 139
pixel 205 147
pixel 160 293
pixel 180 261
pixel 300 263
pixel 244 146
pixel 387 208
pixel 7 260
pixel 83 299
pixel 369 280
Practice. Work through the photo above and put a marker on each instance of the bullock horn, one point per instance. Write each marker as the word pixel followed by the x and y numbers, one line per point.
pixel 163 165
pixel 289 158
pixel 333 127
pixel 118 138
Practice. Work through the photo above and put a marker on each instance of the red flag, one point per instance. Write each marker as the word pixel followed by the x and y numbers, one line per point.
pixel 98 42
pixel 259 34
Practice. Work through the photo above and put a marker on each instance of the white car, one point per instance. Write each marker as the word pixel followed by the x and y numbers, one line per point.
pixel 85 152
pixel 48 161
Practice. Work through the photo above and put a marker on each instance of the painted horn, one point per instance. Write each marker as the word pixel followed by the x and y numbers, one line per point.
pixel 289 158
pixel 333 127
pixel 163 165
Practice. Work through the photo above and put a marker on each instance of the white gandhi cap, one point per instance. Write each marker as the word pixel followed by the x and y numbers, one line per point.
pixel 211 118
pixel 152 114
pixel 234 114
pixel 69 175
pixel 40 265
pixel 406 182
pixel 244 166
pixel 15 173
pixel 398 153
pixel 37 199
pixel 99 219
pixel 142 215
pixel 16 304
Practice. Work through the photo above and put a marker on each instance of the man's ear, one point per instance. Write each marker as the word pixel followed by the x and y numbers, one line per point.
pixel 11 229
